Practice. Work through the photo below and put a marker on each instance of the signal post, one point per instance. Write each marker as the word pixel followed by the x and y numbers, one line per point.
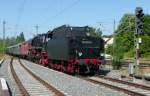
pixel 137 40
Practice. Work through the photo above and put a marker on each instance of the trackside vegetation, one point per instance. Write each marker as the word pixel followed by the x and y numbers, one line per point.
pixel 124 40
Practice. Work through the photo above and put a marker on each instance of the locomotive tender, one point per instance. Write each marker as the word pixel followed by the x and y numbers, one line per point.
pixel 68 49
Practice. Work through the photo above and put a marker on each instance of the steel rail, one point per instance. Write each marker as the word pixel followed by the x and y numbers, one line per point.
pixel 17 80
pixel 129 92
pixel 127 83
pixel 51 88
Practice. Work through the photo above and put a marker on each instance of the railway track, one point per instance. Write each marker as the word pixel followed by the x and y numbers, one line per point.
pixel 29 83
pixel 71 85
pixel 144 87
pixel 119 85
pixel 32 85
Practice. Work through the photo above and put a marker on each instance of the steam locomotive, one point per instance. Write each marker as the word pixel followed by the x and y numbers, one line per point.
pixel 68 49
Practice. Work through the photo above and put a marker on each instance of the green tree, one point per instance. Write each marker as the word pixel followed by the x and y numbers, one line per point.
pixel 98 32
pixel 109 49
pixel 124 37
pixel 11 41
pixel 95 32
pixel 20 38
pixel 145 46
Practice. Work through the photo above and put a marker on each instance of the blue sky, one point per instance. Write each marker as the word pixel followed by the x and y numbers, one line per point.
pixel 23 15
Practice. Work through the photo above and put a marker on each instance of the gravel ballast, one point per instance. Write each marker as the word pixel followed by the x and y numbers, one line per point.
pixel 70 85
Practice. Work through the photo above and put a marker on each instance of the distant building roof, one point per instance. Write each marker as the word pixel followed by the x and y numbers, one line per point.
pixel 108 40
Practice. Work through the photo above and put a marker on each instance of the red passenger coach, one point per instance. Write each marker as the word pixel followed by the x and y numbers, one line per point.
pixel 25 47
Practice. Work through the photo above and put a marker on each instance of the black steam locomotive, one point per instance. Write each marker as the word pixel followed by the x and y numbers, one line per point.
pixel 68 49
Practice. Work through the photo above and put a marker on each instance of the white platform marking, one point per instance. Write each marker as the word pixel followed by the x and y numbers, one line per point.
pixel 3 83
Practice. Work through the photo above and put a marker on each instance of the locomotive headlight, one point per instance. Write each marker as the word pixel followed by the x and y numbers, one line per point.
pixel 80 53
pixel 102 54
pixel 88 34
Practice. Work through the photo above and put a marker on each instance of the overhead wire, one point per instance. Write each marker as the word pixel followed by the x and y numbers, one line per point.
pixel 20 12
pixel 67 8
pixel 102 25
pixel 64 10
pixel 22 7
